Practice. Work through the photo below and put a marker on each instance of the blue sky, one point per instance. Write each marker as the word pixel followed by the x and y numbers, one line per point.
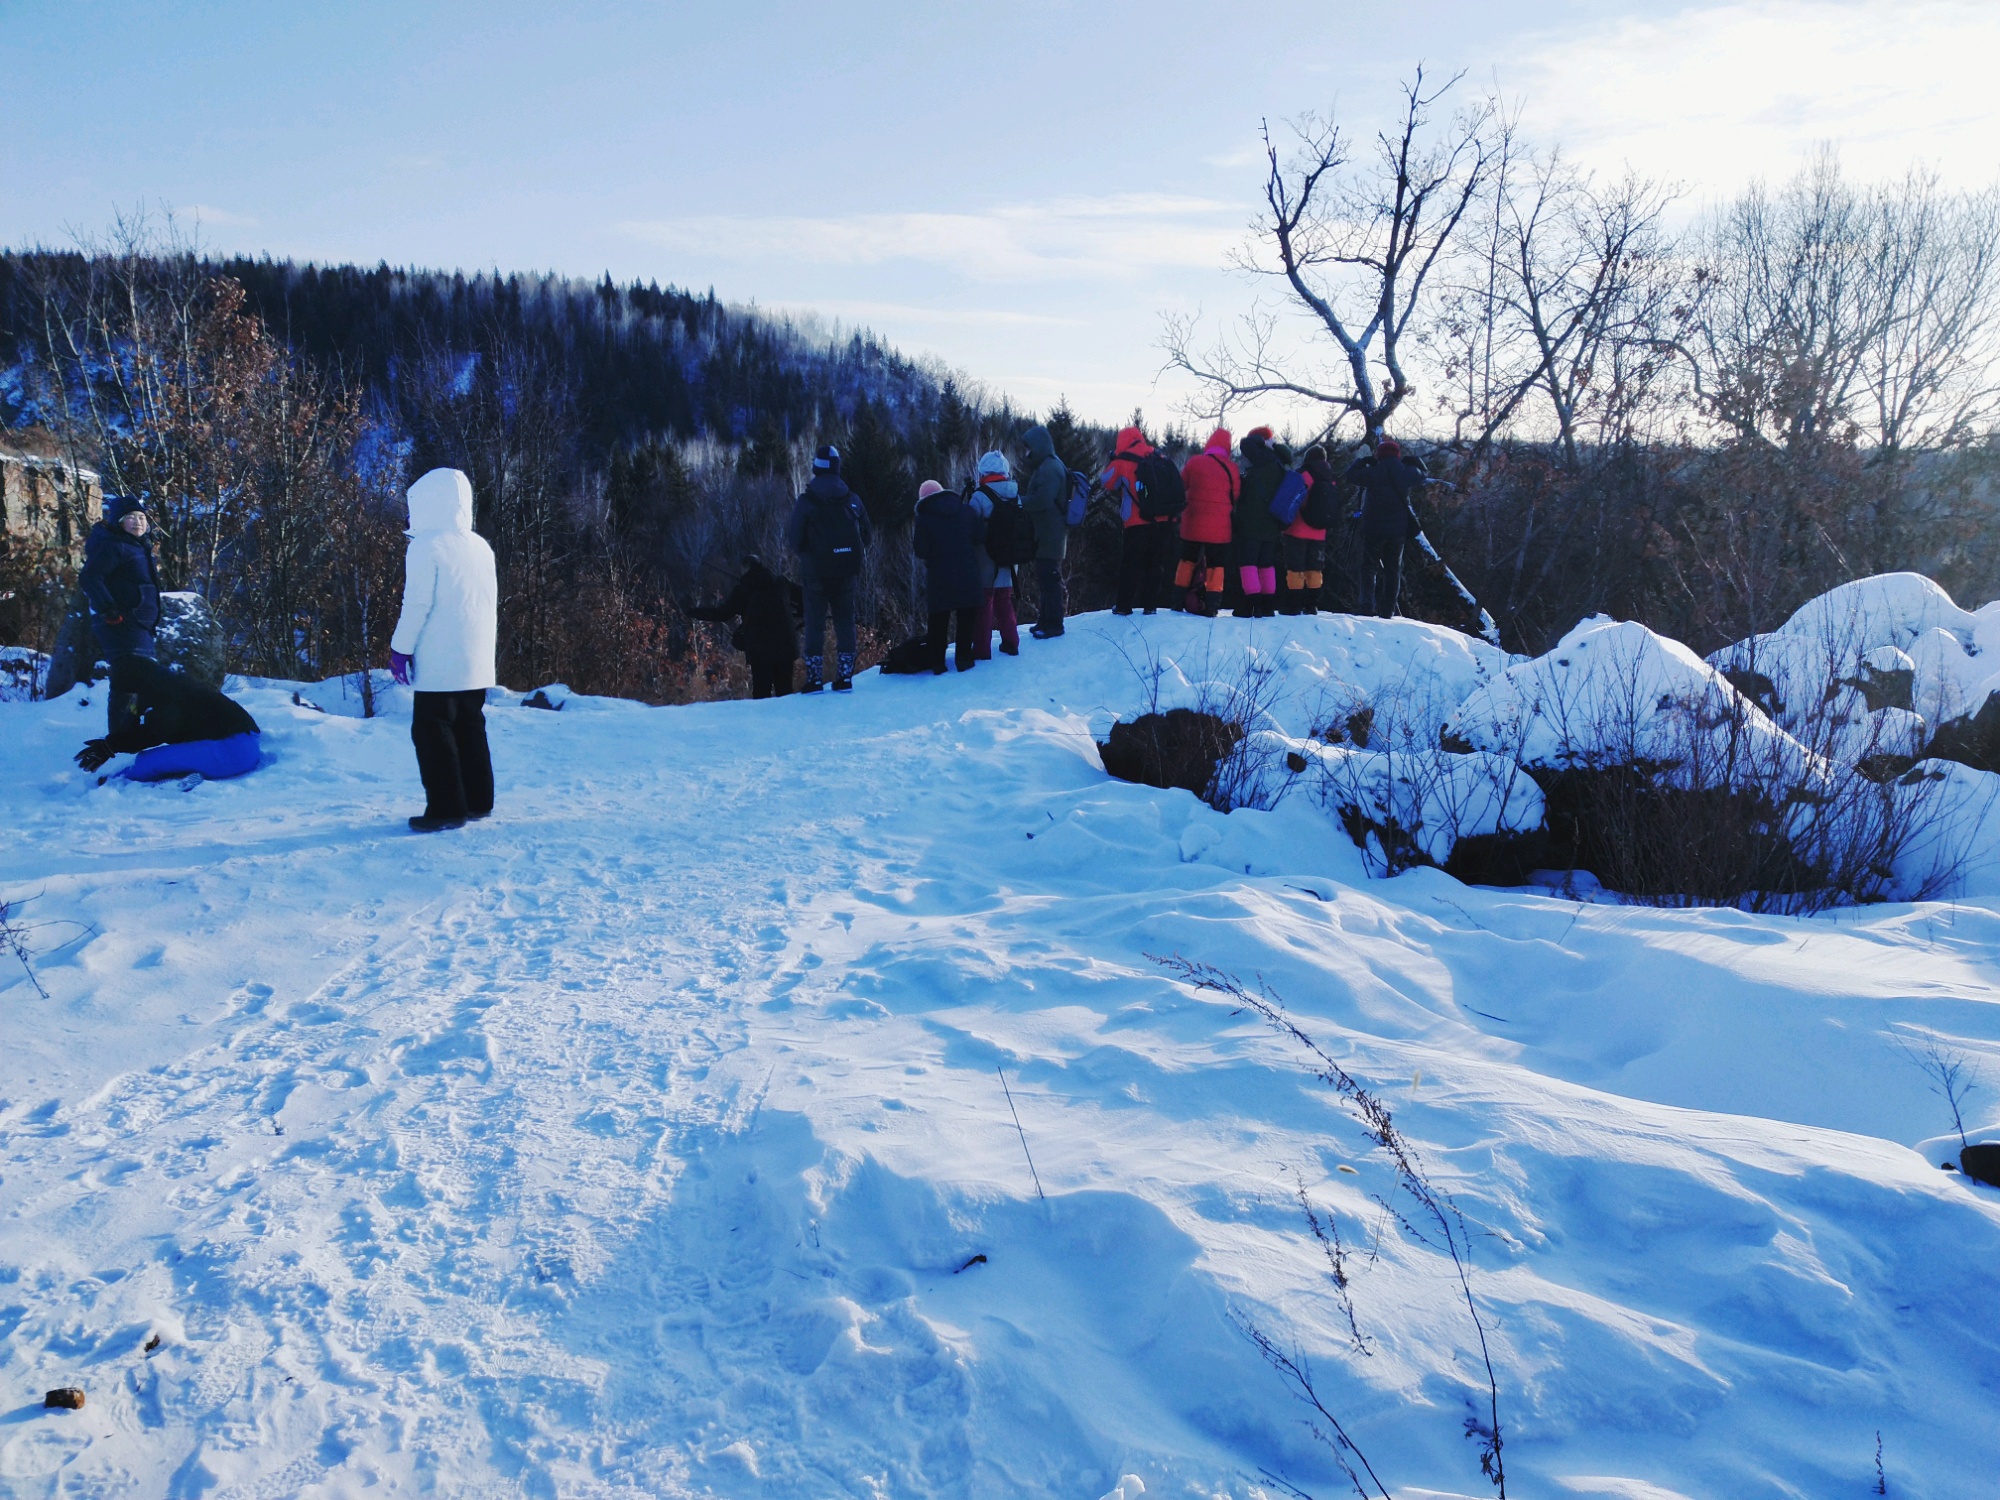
pixel 1020 190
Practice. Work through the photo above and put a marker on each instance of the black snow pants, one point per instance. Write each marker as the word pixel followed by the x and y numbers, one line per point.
pixel 1145 564
pixel 1381 572
pixel 449 731
pixel 770 677
pixel 942 635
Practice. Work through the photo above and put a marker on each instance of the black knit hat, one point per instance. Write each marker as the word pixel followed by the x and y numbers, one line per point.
pixel 826 459
pixel 118 507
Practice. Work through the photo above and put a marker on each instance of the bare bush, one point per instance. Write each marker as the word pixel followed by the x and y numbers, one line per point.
pixel 1952 1074
pixel 14 939
pixel 1407 802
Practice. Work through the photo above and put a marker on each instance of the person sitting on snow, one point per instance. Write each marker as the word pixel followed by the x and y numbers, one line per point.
pixel 179 727
pixel 770 607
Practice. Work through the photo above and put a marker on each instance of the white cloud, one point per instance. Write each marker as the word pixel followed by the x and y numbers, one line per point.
pixel 1120 235
pixel 1717 94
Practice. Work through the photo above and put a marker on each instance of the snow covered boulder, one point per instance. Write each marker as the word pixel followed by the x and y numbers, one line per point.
pixel 1981 1163
pixel 1948 840
pixel 1898 642
pixel 1479 817
pixel 189 638
pixel 1613 694
pixel 1660 778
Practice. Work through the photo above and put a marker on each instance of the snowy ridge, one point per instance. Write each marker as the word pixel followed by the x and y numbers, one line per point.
pixel 644 1140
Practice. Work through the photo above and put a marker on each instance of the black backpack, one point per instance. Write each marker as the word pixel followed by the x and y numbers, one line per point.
pixel 1162 496
pixel 1010 540
pixel 833 536
pixel 1318 512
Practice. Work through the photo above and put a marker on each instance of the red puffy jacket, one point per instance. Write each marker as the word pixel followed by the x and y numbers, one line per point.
pixel 1121 476
pixel 1213 484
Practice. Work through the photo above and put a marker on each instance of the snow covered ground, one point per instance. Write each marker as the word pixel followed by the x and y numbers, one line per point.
pixel 647 1139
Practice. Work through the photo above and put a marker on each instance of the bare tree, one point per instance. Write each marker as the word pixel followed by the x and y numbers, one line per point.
pixel 1554 309
pixel 1355 245
pixel 1837 314
pixel 149 361
pixel 1930 375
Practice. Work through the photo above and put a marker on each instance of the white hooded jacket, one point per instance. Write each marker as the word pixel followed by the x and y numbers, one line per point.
pixel 450 595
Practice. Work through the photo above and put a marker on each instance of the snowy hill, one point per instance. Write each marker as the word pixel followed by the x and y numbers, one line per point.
pixel 655 1138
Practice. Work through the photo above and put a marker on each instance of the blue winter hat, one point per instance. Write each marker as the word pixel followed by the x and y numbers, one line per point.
pixel 118 507
pixel 826 458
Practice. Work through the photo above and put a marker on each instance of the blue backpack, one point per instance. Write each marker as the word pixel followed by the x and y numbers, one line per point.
pixel 1291 495
pixel 1079 497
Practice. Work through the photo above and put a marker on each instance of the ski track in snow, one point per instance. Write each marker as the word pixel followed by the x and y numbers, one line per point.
pixel 637 1142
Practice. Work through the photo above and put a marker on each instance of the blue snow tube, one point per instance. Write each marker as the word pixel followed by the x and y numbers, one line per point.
pixel 218 760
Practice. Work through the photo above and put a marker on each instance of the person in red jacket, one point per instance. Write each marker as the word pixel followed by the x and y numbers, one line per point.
pixel 1212 485
pixel 1304 544
pixel 1149 529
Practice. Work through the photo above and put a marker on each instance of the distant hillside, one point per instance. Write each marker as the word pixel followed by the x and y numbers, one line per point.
pixel 643 362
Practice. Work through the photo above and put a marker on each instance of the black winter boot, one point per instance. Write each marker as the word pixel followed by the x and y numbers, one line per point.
pixel 843 682
pixel 815 671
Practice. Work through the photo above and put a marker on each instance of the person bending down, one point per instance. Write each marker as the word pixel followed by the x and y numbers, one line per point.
pixel 180 727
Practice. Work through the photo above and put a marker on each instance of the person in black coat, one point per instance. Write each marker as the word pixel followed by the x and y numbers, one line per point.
pixel 122 584
pixel 179 726
pixel 769 607
pixel 1387 482
pixel 947 540
pixel 829 531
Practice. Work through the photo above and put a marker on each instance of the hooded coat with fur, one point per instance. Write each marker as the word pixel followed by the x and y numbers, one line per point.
pixel 451 597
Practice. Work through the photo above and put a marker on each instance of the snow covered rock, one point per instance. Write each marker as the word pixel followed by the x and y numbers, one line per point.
pixel 1614 694
pixel 190 638
pixel 1477 816
pixel 1981 1163
pixel 1898 641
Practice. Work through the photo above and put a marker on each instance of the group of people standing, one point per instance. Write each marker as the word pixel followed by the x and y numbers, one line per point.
pixel 974 543
pixel 1184 526
pixel 1261 515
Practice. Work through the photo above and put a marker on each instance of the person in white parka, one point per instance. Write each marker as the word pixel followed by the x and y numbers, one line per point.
pixel 443 648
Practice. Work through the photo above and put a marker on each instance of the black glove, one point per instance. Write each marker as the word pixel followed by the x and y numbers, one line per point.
pixel 94 754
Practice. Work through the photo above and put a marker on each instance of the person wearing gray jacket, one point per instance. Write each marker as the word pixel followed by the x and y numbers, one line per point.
pixel 1045 498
